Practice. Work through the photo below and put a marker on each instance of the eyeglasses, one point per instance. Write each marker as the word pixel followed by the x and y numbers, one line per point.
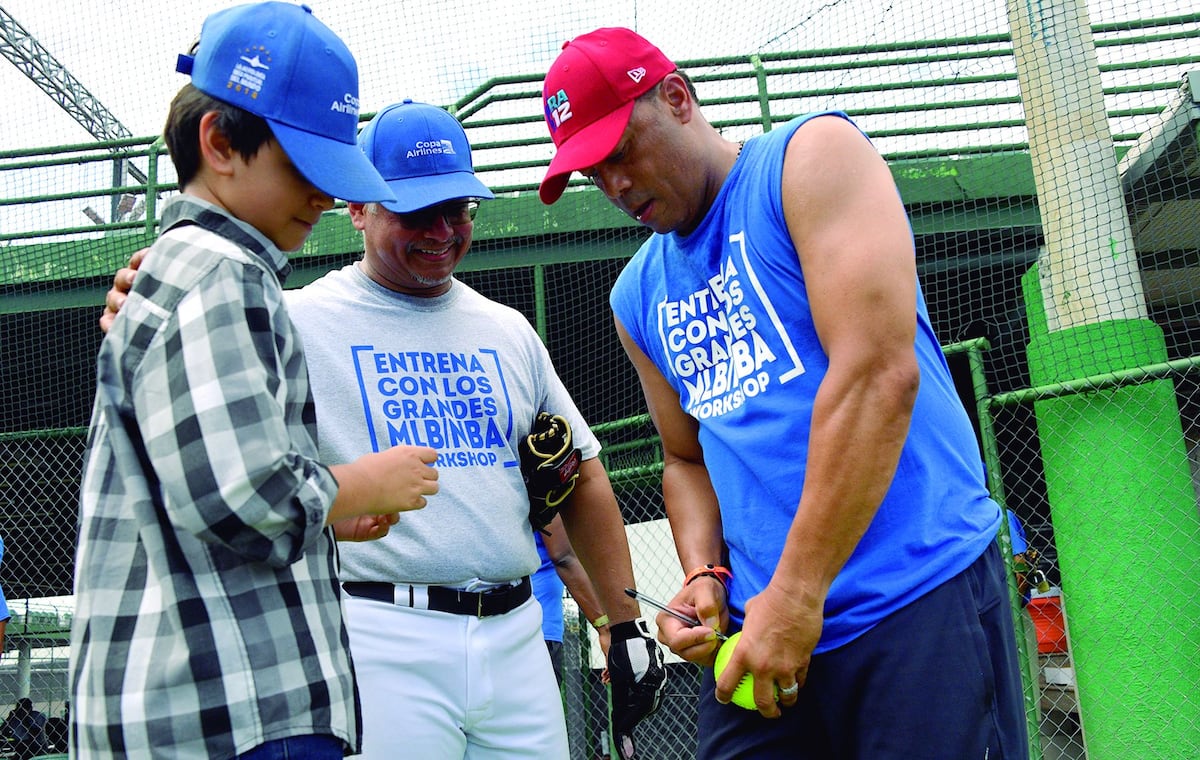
pixel 454 212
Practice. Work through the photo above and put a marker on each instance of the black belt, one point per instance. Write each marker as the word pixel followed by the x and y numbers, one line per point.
pixel 494 601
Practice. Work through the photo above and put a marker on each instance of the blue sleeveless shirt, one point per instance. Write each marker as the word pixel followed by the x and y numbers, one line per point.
pixel 724 315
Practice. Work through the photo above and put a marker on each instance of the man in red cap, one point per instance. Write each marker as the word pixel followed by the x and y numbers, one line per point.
pixel 821 476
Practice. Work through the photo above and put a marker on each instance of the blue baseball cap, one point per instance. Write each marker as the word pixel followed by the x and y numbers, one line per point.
pixel 423 154
pixel 277 61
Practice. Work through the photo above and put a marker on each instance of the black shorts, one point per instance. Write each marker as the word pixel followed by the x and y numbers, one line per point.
pixel 555 648
pixel 939 679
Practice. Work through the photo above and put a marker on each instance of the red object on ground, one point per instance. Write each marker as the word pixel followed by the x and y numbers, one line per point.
pixel 1047 615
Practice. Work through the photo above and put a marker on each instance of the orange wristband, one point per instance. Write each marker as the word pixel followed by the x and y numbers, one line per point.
pixel 712 571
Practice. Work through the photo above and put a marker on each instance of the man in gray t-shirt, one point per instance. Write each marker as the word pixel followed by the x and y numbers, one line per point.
pixel 446 638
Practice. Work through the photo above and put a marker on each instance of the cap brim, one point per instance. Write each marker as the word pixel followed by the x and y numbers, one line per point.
pixel 587 147
pixel 335 168
pixel 414 193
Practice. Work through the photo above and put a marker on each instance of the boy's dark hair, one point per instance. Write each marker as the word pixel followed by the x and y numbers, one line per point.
pixel 246 132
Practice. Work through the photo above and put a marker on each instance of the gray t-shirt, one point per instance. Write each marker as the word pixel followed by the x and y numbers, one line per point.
pixel 457 372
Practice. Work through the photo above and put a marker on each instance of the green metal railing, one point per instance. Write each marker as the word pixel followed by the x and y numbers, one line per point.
pixel 930 112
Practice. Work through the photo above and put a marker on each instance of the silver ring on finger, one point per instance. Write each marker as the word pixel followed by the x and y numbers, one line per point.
pixel 789 691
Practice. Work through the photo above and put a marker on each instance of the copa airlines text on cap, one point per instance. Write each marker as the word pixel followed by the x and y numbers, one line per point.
pixel 349 104
pixel 431 148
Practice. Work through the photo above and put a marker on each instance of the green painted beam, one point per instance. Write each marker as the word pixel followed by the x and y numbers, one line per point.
pixel 1007 175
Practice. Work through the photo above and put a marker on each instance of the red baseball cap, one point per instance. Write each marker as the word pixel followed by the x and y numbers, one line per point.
pixel 588 97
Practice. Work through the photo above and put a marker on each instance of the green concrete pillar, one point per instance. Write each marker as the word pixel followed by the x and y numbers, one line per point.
pixel 1127 532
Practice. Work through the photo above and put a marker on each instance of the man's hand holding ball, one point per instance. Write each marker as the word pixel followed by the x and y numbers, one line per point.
pixel 743 694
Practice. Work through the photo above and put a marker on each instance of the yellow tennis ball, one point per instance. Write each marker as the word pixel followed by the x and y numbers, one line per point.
pixel 743 695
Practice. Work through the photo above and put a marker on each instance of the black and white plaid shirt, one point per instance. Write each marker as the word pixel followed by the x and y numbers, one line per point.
pixel 208 617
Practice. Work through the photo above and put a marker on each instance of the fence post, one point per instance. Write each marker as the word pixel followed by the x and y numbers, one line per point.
pixel 991 456
pixel 764 97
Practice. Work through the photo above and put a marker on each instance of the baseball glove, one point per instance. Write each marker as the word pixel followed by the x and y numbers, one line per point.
pixel 550 466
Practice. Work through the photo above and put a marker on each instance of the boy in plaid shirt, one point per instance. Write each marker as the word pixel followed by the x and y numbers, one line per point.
pixel 208 618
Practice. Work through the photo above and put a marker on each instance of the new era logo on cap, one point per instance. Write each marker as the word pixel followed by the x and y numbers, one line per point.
pixel 277 61
pixel 589 94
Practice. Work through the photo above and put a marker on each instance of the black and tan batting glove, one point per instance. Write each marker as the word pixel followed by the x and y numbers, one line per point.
pixel 637 675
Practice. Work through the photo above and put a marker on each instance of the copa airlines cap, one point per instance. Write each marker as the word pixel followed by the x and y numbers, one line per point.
pixel 423 154
pixel 588 97
pixel 277 61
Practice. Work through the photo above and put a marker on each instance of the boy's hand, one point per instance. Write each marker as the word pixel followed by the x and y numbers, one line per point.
pixel 404 476
pixel 114 299
pixel 365 527
pixel 393 480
